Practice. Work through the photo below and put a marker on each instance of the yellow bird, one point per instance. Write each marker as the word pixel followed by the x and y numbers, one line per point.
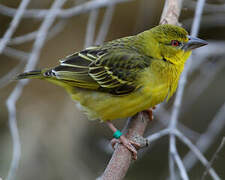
pixel 124 76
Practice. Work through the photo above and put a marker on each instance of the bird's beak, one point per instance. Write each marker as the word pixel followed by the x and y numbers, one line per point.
pixel 193 43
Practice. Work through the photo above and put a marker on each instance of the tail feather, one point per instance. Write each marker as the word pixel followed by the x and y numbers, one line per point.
pixel 31 75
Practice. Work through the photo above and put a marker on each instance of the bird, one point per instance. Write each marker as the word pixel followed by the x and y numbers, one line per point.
pixel 124 76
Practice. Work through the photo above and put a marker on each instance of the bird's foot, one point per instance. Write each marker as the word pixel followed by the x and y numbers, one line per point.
pixel 150 113
pixel 129 144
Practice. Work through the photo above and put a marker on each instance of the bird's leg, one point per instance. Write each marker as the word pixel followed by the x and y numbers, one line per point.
pixel 150 113
pixel 119 138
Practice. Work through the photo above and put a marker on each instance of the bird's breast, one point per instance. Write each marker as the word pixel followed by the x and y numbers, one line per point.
pixel 155 88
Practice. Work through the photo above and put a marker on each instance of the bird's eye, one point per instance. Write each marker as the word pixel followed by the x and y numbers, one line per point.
pixel 175 43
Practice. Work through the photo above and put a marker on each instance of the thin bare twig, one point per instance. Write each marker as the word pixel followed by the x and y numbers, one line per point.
pixel 17 54
pixel 156 136
pixel 214 48
pixel 182 170
pixel 31 36
pixel 163 116
pixel 206 139
pixel 208 7
pixel 105 25
pixel 12 99
pixel 23 56
pixel 18 15
pixel 7 79
pixel 204 79
pixel 197 152
pixel 91 26
pixel 222 144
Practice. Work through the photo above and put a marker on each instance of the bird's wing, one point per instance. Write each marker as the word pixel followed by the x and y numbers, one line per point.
pixel 112 70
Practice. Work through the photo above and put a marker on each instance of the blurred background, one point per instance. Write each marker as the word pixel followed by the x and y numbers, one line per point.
pixel 57 140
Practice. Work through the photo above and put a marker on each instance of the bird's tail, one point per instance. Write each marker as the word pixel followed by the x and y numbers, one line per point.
pixel 37 74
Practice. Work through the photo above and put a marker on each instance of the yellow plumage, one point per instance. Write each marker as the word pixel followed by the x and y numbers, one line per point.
pixel 124 76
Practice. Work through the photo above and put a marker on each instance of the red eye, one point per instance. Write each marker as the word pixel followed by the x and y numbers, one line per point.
pixel 175 43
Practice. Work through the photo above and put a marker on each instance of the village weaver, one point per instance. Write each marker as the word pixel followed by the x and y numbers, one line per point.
pixel 125 76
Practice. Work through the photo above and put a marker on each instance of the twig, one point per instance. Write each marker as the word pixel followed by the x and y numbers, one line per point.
pixel 17 54
pixel 214 48
pixel 156 136
pixel 182 170
pixel 209 20
pixel 163 116
pixel 105 25
pixel 83 8
pixel 11 105
pixel 222 144
pixel 22 56
pixel 30 36
pixel 197 152
pixel 6 79
pixel 91 26
pixel 203 80
pixel 208 7
pixel 197 18
pixel 18 15
pixel 206 139
pixel 172 154
pixel 12 99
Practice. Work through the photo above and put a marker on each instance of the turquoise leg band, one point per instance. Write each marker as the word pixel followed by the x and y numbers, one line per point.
pixel 117 134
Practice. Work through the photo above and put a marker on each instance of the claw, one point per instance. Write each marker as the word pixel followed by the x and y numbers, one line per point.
pixel 150 113
pixel 129 144
pixel 114 142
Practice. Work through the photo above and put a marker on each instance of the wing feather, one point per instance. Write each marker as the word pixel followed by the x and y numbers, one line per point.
pixel 103 68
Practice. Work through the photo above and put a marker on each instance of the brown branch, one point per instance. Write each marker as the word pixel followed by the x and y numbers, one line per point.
pixel 121 159
pixel 171 12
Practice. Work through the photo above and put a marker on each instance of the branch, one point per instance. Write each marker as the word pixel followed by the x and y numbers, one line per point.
pixel 171 12
pixel 121 159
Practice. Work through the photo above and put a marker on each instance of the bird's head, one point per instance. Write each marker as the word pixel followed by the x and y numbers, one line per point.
pixel 173 44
